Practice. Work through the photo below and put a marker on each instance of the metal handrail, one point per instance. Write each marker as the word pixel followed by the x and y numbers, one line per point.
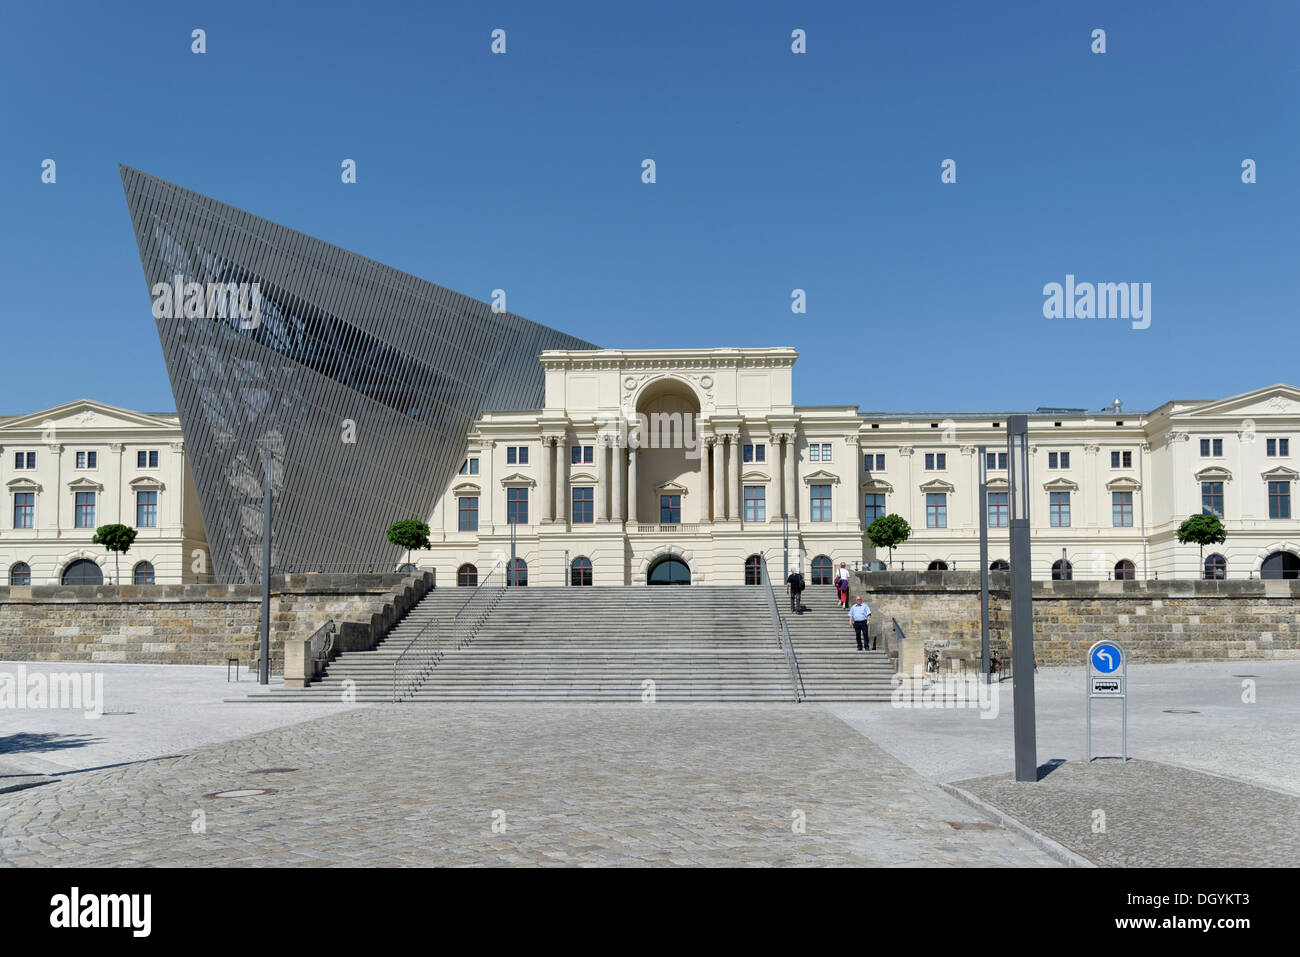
pixel 782 631
pixel 322 640
pixel 423 652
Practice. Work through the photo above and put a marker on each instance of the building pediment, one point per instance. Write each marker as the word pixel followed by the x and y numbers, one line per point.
pixel 1213 473
pixel 671 488
pixel 1273 400
pixel 821 477
pixel 146 483
pixel 85 415
pixel 1055 485
pixel 938 485
pixel 582 478
pixel 466 488
pixel 876 485
pixel 999 484
pixel 1123 483
pixel 518 480
pixel 22 484
pixel 754 477
pixel 84 484
pixel 1280 474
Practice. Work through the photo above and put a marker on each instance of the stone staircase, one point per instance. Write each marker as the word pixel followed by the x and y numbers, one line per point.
pixel 832 667
pixel 599 644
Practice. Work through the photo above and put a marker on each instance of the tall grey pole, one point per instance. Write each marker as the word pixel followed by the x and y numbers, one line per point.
pixel 512 570
pixel 785 532
pixel 1022 605
pixel 264 667
pixel 984 564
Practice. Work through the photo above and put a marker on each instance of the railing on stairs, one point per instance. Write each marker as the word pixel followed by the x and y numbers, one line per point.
pixel 321 641
pixel 423 652
pixel 782 632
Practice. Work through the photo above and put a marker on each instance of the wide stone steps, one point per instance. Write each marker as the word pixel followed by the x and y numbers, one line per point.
pixel 699 643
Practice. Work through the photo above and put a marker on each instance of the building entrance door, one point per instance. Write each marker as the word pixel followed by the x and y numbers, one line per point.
pixel 669 571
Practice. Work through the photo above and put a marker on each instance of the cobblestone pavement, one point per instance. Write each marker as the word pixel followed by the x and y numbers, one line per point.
pixel 1155 815
pixel 574 785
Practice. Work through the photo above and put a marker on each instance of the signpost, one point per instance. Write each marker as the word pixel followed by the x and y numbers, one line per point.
pixel 1106 676
pixel 984 564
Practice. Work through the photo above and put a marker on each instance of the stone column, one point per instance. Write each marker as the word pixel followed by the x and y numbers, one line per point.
pixel 561 480
pixel 704 480
pixel 789 485
pixel 733 464
pixel 719 496
pixel 617 456
pixel 544 480
pixel 631 486
pixel 602 482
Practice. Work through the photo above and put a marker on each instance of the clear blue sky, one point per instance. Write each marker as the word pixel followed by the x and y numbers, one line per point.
pixel 775 171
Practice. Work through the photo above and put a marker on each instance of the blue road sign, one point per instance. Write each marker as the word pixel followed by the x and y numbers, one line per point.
pixel 1107 658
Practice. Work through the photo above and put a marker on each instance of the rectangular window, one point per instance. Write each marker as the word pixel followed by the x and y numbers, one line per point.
pixel 936 509
pixel 819 497
pixel 670 509
pixel 998 509
pixel 1121 509
pixel 523 455
pixel 469 467
pixel 1058 460
pixel 1121 460
pixel 24 509
pixel 146 459
pixel 1279 499
pixel 1270 446
pixel 1059 509
pixel 814 453
pixel 755 453
pixel 467 519
pixel 936 461
pixel 584 509
pixel 581 454
pixel 512 457
pixel 1212 498
pixel 24 460
pixel 517 506
pixel 873 507
pixel 874 462
pixel 755 503
pixel 995 460
pixel 1276 447
pixel 84 512
pixel 1212 447
pixel 146 509
pixel 87 460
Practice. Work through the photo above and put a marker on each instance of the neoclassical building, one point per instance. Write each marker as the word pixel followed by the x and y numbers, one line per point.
pixel 70 469
pixel 652 466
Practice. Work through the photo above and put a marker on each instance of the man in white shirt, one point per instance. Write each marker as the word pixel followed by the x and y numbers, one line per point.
pixel 860 615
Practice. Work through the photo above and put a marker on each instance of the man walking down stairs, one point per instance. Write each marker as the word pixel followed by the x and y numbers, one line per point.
pixel 833 668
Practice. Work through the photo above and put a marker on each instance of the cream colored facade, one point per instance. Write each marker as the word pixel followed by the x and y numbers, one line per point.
pixel 714 409
pixel 92 449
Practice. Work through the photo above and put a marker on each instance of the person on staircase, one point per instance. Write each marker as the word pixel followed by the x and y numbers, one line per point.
pixel 860 615
pixel 795 586
pixel 842 584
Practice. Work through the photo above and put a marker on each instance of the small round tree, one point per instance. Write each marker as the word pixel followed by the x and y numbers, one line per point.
pixel 409 533
pixel 117 539
pixel 1203 530
pixel 888 531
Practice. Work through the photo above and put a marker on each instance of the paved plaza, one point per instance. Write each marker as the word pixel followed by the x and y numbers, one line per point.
pixel 1215 782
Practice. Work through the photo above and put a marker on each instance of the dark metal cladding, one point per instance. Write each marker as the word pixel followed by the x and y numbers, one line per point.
pixel 342 344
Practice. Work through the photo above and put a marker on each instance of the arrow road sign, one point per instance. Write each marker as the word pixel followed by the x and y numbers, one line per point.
pixel 1107 658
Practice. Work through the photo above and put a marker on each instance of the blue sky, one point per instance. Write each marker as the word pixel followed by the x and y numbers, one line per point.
pixel 775 171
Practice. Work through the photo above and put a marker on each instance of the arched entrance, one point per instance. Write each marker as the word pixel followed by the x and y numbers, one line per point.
pixel 83 572
pixel 669 571
pixel 1280 565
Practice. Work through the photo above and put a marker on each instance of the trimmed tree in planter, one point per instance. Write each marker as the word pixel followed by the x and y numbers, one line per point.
pixel 117 539
pixel 409 534
pixel 1203 530
pixel 888 531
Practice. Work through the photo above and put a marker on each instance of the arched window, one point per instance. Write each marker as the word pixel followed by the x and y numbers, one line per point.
pixel 999 565
pixel 1216 566
pixel 467 575
pixel 580 571
pixel 1125 570
pixel 753 570
pixel 1280 565
pixel 142 574
pixel 1062 571
pixel 821 571
pixel 669 571
pixel 20 574
pixel 83 572
pixel 517 572
pixel 938 565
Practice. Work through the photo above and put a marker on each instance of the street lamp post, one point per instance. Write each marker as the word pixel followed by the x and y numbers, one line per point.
pixel 1022 606
pixel 785 537
pixel 264 666
pixel 984 564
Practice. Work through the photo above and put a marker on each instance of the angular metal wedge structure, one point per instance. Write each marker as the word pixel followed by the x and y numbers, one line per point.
pixel 362 381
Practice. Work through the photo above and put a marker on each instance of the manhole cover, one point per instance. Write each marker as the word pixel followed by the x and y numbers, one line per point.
pixel 116 712
pixel 1245 676
pixel 1179 711
pixel 241 793
pixel 272 770
pixel 973 825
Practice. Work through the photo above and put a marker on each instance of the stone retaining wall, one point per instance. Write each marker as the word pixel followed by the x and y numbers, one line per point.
pixel 1154 620
pixel 197 624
